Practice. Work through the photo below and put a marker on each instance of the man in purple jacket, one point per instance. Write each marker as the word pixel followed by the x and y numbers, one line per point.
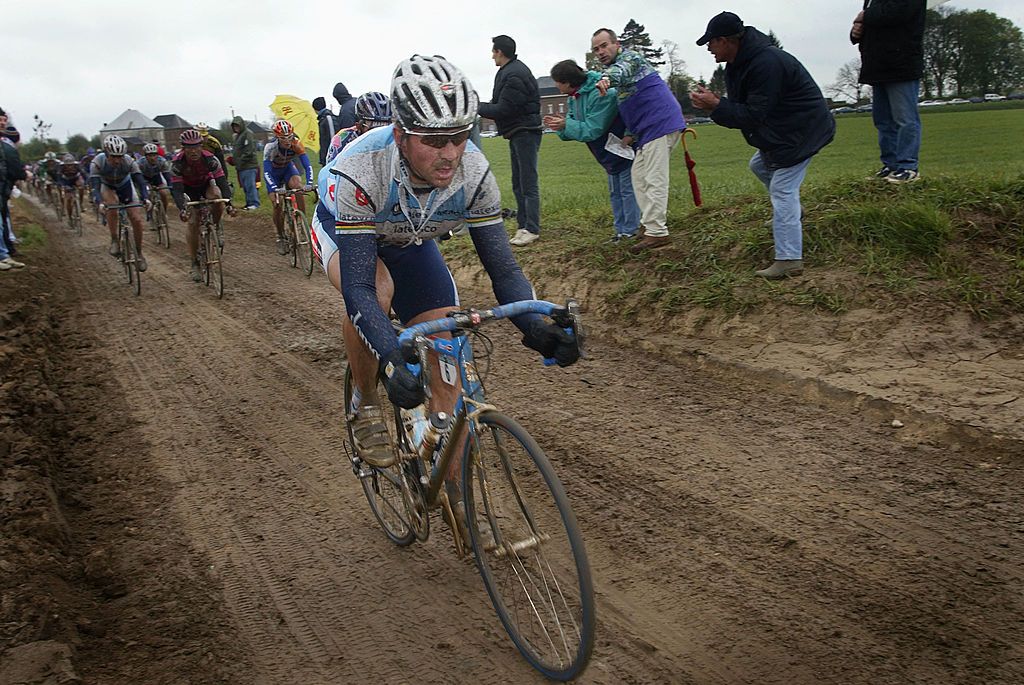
pixel 654 124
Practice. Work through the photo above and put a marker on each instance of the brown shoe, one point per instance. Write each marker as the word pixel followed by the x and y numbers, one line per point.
pixel 373 443
pixel 649 242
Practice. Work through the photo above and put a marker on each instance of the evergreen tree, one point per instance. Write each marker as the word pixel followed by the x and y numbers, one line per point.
pixel 774 40
pixel 717 83
pixel 634 37
pixel 77 144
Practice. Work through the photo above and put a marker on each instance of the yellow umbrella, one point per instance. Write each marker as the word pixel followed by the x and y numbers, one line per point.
pixel 299 113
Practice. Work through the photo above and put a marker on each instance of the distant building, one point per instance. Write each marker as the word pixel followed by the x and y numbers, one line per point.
pixel 260 134
pixel 173 126
pixel 136 128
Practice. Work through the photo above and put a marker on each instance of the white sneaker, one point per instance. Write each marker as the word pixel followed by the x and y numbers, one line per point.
pixel 11 264
pixel 523 237
pixel 4 266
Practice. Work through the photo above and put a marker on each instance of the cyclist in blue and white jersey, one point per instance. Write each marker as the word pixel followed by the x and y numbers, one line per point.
pixel 280 173
pixel 390 195
pixel 69 177
pixel 116 179
pixel 156 171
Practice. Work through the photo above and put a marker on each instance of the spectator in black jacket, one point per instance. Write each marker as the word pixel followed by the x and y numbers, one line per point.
pixel 11 171
pixel 515 108
pixel 780 111
pixel 890 34
pixel 347 106
pixel 328 124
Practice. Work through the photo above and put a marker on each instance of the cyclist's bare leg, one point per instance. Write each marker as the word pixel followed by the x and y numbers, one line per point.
pixel 165 197
pixel 295 183
pixel 109 197
pixel 192 235
pixel 278 213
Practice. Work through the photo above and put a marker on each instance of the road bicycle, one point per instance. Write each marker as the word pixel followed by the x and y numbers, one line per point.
pixel 211 244
pixel 129 251
pixel 75 216
pixel 509 507
pixel 300 243
pixel 158 217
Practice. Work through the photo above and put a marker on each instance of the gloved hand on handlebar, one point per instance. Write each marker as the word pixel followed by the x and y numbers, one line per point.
pixel 402 385
pixel 552 342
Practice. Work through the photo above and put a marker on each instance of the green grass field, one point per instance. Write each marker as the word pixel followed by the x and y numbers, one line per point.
pixel 954 237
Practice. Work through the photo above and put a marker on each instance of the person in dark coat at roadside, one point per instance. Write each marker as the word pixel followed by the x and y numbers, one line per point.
pixel 246 161
pixel 890 34
pixel 774 102
pixel 347 113
pixel 515 108
pixel 327 122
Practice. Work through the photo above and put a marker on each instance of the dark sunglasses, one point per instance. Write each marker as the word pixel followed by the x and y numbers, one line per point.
pixel 439 140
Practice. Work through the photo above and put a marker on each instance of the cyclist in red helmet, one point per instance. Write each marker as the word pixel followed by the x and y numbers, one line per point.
pixel 280 173
pixel 197 175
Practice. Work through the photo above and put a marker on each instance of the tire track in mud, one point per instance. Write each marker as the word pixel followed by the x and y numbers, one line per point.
pixel 737 534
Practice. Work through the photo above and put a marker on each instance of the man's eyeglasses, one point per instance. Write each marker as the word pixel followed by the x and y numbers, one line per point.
pixel 439 140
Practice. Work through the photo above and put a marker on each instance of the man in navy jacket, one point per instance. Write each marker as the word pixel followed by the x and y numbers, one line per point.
pixel 779 109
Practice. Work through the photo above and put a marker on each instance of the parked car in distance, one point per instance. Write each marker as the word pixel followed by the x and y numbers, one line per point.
pixel 976 100
pixel 843 110
pixel 994 97
pixel 864 108
pixel 1015 96
pixel 699 120
pixel 488 134
pixel 959 101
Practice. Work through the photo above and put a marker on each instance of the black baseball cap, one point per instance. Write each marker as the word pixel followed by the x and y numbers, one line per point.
pixel 724 24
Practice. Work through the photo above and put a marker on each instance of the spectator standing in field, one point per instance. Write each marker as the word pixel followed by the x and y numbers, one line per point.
pixel 347 107
pixel 590 117
pixel 890 34
pixel 779 109
pixel 654 125
pixel 515 108
pixel 246 161
pixel 327 122
pixel 11 171
pixel 7 129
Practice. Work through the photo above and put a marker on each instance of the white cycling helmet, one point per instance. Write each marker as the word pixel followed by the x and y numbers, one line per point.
pixel 150 149
pixel 431 92
pixel 50 155
pixel 115 145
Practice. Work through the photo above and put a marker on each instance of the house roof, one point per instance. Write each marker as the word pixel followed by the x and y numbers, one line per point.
pixel 546 86
pixel 256 127
pixel 131 118
pixel 171 121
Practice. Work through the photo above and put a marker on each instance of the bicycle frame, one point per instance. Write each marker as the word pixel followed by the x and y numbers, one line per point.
pixel 470 400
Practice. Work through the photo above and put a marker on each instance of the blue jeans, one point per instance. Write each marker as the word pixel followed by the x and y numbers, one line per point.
pixel 625 211
pixel 784 190
pixel 524 148
pixel 247 177
pixel 894 110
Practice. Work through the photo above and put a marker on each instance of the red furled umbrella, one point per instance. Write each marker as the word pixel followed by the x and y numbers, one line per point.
pixel 694 187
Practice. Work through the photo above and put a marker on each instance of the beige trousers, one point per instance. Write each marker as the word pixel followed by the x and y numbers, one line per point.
pixel 650 182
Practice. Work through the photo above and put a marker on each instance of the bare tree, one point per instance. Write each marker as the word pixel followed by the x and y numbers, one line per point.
pixel 847 85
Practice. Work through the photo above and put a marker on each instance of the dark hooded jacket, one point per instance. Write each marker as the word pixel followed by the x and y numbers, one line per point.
pixel 329 123
pixel 774 102
pixel 515 102
pixel 347 115
pixel 892 45
pixel 244 151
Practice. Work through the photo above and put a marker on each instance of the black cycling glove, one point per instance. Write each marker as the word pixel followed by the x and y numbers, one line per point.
pixel 402 385
pixel 552 342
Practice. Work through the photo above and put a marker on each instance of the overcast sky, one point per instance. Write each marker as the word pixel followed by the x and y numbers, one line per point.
pixel 80 64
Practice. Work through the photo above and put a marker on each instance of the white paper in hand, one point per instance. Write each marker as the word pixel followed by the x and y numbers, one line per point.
pixel 617 147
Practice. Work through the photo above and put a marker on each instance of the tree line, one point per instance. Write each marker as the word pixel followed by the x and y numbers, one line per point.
pixel 966 53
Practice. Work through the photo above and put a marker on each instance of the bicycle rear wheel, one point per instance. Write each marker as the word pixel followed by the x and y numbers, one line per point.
pixel 529 548
pixel 163 233
pixel 303 244
pixel 384 487
pixel 76 217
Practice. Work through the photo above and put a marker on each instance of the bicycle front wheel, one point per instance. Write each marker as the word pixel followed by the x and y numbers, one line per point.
pixel 385 490
pixel 528 547
pixel 130 263
pixel 214 265
pixel 76 217
pixel 303 244
pixel 163 233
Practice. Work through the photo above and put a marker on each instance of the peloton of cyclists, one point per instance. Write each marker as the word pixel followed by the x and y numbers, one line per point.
pixel 116 179
pixel 157 172
pixel 197 175
pixel 280 173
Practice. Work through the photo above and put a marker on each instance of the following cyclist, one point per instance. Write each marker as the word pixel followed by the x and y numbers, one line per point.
pixel 373 110
pixel 211 144
pixel 396 190
pixel 197 175
pixel 156 171
pixel 116 179
pixel 281 174
pixel 70 181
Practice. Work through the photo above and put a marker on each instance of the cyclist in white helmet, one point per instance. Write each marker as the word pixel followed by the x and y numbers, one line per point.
pixel 115 178
pixel 388 196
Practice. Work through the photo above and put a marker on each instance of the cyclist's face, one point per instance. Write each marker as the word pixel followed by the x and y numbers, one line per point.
pixel 429 165
pixel 151 157
pixel 193 152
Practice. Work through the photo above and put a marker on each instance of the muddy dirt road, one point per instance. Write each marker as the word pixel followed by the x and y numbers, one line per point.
pixel 737 533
